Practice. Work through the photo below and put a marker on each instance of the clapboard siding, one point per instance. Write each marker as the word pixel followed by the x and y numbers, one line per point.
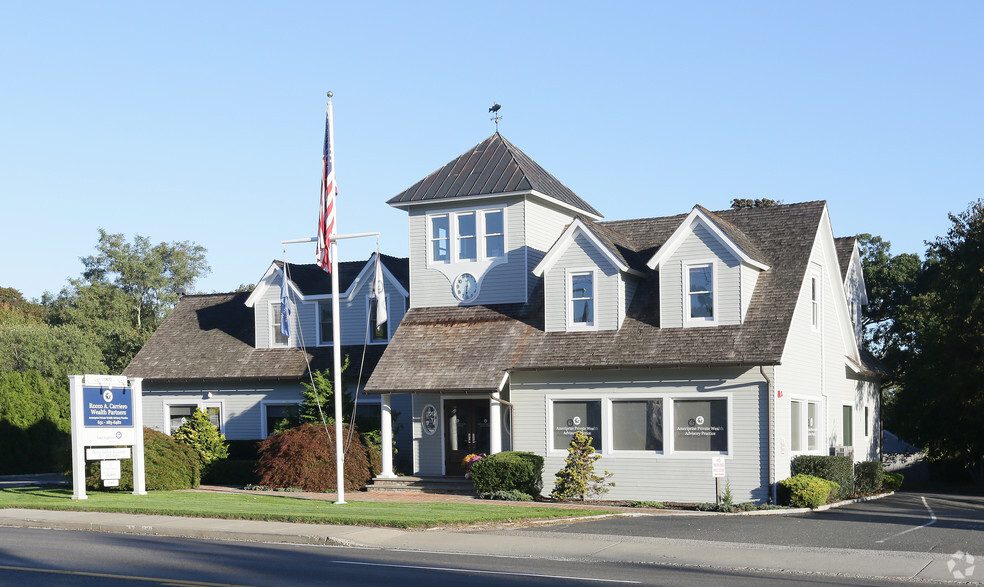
pixel 240 405
pixel 544 225
pixel 698 246
pixel 501 283
pixel 814 362
pixel 581 255
pixel 670 477
pixel 749 277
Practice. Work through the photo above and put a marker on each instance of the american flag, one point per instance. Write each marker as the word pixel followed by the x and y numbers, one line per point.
pixel 326 214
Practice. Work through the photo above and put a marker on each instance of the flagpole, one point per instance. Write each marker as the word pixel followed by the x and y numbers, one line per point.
pixel 336 339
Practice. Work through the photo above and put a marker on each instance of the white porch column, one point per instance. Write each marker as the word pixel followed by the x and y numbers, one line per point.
pixel 386 427
pixel 495 424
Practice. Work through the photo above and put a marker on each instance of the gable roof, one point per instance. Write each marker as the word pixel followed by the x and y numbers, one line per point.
pixel 473 348
pixel 844 245
pixel 724 231
pixel 493 166
pixel 609 243
pixel 211 338
pixel 310 279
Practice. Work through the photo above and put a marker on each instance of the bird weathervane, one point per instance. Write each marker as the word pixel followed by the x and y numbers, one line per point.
pixel 495 114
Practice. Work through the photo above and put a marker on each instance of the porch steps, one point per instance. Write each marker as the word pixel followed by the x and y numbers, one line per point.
pixel 408 484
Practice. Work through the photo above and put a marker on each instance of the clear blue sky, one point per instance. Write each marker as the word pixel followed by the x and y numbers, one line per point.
pixel 203 121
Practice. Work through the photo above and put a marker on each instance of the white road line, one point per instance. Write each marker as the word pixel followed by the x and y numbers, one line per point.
pixel 423 568
pixel 932 520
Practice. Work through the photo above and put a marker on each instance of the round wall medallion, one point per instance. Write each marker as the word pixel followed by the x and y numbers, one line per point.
pixel 428 419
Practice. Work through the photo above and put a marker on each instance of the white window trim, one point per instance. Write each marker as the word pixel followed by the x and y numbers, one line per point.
pixel 317 321
pixel 816 305
pixel 854 428
pixel 483 231
pixel 369 301
pixel 429 221
pixel 457 238
pixel 805 437
pixel 685 267
pixel 569 275
pixel 263 411
pixel 273 314
pixel 482 263
pixel 200 404
pixel 669 398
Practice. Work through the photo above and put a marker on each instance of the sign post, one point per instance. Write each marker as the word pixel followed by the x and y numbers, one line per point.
pixel 107 411
pixel 717 469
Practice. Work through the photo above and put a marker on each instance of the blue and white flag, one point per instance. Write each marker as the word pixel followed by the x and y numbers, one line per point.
pixel 284 305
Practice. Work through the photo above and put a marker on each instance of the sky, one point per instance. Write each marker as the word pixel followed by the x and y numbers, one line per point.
pixel 204 121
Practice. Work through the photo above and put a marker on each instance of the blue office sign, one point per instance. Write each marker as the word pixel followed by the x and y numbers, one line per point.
pixel 106 407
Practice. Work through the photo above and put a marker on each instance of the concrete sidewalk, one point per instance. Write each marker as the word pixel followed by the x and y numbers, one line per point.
pixel 506 542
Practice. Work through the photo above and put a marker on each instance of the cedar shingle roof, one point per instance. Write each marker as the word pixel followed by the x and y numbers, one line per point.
pixel 494 166
pixel 211 338
pixel 845 248
pixel 472 348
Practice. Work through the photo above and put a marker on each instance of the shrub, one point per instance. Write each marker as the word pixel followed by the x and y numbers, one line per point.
pixel 34 418
pixel 508 471
pixel 204 438
pixel 868 477
pixel 892 481
pixel 656 505
pixel 807 491
pixel 840 470
pixel 578 479
pixel 168 465
pixel 304 457
pixel 507 495
pixel 231 472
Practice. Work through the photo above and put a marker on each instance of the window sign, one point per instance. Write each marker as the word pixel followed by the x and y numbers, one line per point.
pixel 637 425
pixel 700 425
pixel 570 417
pixel 812 420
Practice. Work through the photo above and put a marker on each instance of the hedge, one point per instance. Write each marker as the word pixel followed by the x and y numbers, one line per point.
pixel 840 470
pixel 168 465
pixel 868 477
pixel 892 481
pixel 806 491
pixel 509 471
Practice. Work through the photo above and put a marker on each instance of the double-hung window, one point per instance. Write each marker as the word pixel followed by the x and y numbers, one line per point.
pixel 699 289
pixel 277 337
pixel 178 414
pixel 804 420
pixel 440 238
pixel 815 302
pixel 324 323
pixel 377 333
pixel 495 236
pixel 467 242
pixel 581 299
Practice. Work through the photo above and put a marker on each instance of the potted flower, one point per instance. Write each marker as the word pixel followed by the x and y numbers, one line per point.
pixel 468 461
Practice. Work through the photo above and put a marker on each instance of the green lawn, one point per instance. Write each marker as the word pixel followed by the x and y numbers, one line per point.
pixel 283 508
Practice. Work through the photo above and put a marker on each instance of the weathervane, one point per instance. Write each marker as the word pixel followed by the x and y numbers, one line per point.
pixel 495 114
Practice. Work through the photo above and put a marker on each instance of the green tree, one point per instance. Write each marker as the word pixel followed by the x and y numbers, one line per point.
pixel 891 282
pixel 940 404
pixel 578 479
pixel 13 307
pixel 741 203
pixel 322 394
pixel 54 351
pixel 204 438
pixel 126 290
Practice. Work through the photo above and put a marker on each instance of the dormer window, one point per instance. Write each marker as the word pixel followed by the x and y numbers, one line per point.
pixel 581 299
pixel 324 323
pixel 277 337
pixel 699 280
pixel 466 237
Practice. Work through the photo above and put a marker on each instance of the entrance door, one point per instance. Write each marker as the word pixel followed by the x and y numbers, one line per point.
pixel 466 431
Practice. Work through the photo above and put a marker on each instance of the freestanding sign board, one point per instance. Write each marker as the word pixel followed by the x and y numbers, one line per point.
pixel 106 412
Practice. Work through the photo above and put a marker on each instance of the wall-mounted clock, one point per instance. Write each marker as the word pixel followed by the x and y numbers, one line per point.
pixel 465 287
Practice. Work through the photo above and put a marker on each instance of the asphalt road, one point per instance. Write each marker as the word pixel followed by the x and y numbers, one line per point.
pixel 59 557
pixel 908 522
